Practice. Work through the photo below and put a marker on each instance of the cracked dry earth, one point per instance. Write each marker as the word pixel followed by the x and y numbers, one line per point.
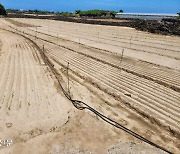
pixel 38 118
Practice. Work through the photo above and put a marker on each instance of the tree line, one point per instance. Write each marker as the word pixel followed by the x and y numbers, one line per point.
pixel 79 13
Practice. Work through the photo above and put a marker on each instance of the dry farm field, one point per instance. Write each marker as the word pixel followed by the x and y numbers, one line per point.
pixel 130 76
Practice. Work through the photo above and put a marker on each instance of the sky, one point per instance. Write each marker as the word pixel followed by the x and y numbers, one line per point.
pixel 129 6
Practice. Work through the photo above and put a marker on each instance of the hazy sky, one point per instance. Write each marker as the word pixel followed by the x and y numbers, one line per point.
pixel 144 6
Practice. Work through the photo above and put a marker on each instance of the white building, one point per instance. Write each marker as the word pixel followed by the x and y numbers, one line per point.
pixel 145 16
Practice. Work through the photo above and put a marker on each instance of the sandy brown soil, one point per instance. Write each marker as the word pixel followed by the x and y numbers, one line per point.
pixel 139 90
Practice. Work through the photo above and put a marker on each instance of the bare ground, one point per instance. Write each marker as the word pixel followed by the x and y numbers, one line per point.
pixel 141 95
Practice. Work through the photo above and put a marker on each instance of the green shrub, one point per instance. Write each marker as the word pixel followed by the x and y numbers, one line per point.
pixel 96 13
pixel 39 12
pixel 77 11
pixel 68 14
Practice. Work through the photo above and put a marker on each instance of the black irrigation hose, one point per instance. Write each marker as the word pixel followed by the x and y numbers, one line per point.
pixel 81 106
pixel 117 125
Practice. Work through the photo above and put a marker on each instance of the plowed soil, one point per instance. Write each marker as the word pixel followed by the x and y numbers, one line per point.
pixel 130 76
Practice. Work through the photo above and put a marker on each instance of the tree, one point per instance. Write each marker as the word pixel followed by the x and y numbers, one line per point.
pixel 97 13
pixel 77 11
pixel 179 15
pixel 121 11
pixel 2 10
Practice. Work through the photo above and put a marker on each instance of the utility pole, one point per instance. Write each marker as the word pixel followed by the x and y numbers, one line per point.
pixel 57 39
pixel 130 41
pixel 43 53
pixel 98 36
pixel 122 56
pixel 36 33
pixel 79 44
pixel 68 78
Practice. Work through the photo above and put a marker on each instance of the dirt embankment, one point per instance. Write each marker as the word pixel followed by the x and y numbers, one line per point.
pixel 166 26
